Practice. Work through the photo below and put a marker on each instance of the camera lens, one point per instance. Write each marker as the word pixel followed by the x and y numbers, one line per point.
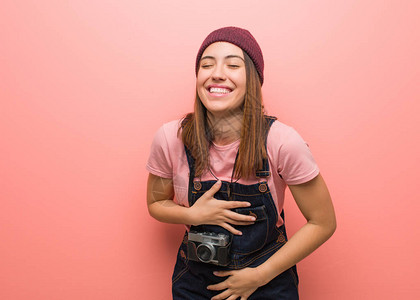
pixel 205 252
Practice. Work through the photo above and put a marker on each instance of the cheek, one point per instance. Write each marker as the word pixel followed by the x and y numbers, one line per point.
pixel 199 85
pixel 242 87
pixel 201 93
pixel 240 80
pixel 202 75
pixel 200 82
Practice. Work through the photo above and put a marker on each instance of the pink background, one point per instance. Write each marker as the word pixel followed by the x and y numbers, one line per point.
pixel 84 85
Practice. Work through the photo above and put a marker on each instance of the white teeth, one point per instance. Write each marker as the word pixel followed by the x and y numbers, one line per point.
pixel 219 90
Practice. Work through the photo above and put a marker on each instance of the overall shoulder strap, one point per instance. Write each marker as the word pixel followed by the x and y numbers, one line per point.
pixel 191 175
pixel 265 171
pixel 191 166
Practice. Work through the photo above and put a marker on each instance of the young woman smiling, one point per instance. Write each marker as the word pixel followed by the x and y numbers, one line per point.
pixel 222 171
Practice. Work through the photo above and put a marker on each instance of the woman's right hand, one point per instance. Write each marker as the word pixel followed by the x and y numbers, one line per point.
pixel 211 211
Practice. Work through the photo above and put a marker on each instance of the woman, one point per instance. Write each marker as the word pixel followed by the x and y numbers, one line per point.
pixel 222 170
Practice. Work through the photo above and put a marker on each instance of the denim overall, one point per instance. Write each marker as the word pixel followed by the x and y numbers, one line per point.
pixel 256 244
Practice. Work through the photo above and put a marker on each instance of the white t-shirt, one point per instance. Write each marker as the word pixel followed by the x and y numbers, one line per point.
pixel 288 155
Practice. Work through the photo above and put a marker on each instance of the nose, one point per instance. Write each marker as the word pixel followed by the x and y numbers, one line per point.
pixel 218 73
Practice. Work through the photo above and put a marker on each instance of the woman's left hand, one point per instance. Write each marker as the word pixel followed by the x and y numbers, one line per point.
pixel 240 283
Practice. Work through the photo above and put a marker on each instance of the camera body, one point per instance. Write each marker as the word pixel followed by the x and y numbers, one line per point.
pixel 209 247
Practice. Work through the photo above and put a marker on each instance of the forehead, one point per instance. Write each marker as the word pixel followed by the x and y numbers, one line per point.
pixel 222 49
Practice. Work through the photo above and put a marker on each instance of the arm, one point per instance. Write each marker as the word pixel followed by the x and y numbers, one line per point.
pixel 314 201
pixel 160 195
pixel 206 210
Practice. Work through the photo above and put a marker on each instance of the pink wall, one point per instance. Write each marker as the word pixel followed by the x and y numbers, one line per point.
pixel 85 84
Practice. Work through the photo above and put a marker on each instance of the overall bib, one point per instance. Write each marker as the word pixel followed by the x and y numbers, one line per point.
pixel 256 244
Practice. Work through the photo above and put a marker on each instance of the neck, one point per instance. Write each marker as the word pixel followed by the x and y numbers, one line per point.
pixel 226 128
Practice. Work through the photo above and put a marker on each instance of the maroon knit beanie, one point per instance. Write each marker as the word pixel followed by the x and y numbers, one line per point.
pixel 239 37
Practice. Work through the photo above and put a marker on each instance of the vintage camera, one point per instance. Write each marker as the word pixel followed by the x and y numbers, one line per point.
pixel 209 247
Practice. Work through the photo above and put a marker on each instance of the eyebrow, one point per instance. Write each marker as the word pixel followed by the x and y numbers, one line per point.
pixel 229 56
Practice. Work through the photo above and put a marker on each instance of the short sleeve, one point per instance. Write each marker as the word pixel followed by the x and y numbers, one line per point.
pixel 296 163
pixel 159 162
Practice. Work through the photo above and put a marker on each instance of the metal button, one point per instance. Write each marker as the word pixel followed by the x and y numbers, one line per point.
pixel 262 188
pixel 281 239
pixel 197 185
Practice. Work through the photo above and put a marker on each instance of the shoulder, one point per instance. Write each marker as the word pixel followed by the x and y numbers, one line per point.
pixel 281 133
pixel 290 154
pixel 279 127
pixel 283 140
pixel 171 127
pixel 168 132
pixel 167 138
pixel 166 150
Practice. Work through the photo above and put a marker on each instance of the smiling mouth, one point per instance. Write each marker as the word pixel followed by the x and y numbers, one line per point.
pixel 219 90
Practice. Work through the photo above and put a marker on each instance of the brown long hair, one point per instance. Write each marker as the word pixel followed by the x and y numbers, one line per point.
pixel 197 133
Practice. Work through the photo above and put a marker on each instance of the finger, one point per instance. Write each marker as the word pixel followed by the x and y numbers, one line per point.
pixel 222 295
pixel 239 217
pixel 217 287
pixel 213 190
pixel 223 273
pixel 237 204
pixel 240 223
pixel 228 227
pixel 234 297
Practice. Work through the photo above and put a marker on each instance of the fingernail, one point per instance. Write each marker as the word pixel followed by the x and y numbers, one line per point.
pixel 253 219
pixel 248 204
pixel 240 233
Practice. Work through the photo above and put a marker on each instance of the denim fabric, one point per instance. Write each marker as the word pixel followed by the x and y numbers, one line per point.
pixel 190 279
pixel 256 244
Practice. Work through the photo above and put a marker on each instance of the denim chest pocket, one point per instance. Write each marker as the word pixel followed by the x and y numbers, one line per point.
pixel 253 236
